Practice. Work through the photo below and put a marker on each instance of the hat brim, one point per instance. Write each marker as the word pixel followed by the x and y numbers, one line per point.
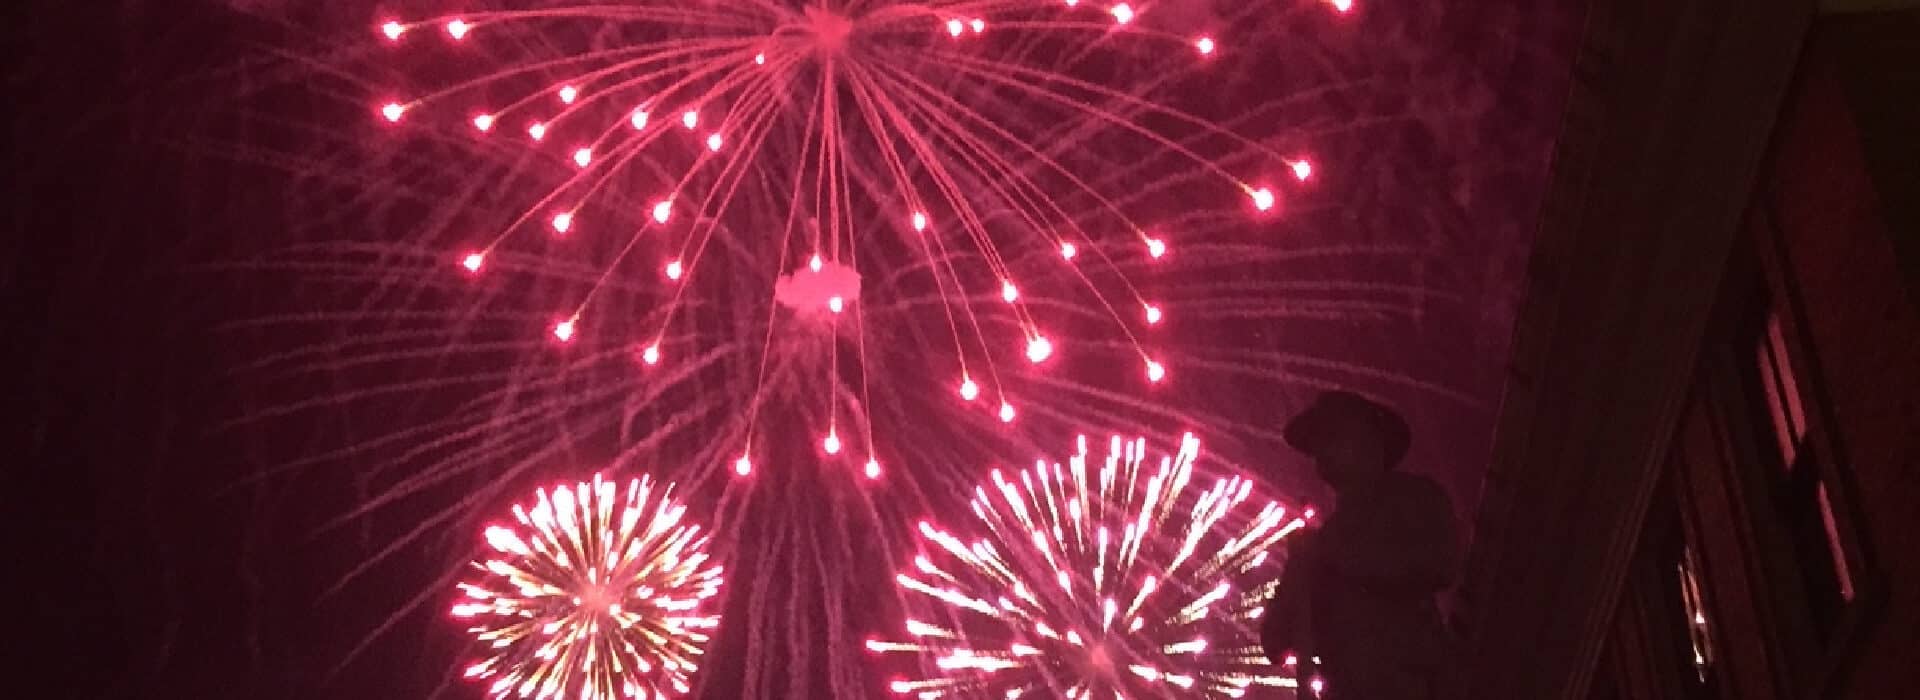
pixel 1335 411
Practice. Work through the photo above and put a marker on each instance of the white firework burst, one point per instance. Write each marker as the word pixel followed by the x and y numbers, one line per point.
pixel 592 596
pixel 1109 580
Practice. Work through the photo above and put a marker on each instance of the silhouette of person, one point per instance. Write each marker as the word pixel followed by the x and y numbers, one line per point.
pixel 1358 591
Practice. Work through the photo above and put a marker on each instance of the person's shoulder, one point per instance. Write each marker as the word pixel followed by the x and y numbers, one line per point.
pixel 1411 486
pixel 1404 480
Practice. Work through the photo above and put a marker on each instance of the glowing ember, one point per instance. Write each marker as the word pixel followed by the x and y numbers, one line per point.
pixel 1262 199
pixel 1039 349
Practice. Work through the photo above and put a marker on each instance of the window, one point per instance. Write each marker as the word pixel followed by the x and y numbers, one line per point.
pixel 1673 598
pixel 1681 606
pixel 1694 609
pixel 1800 500
pixel 1782 390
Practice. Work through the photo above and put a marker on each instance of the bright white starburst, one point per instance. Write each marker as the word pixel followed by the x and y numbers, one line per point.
pixel 593 593
pixel 1116 579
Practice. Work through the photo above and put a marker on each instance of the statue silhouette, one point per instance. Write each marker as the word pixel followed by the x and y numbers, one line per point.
pixel 1358 591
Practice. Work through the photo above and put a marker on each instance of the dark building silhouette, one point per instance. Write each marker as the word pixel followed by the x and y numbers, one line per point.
pixel 1706 481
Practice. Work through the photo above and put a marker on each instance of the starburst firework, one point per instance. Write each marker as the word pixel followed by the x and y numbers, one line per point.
pixel 1110 580
pixel 944 140
pixel 592 596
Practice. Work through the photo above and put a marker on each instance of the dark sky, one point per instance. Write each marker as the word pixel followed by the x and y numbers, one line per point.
pixel 146 563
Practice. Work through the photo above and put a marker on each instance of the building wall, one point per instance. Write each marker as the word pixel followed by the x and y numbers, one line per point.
pixel 1671 114
pixel 1825 254
pixel 1837 249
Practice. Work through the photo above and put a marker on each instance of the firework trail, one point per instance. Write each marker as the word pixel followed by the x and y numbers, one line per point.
pixel 592 595
pixel 1077 184
pixel 1108 580
pixel 945 140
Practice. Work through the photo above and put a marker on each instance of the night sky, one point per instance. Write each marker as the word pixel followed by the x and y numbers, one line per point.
pixel 155 558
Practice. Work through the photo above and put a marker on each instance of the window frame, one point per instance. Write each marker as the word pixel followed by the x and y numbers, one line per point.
pixel 1649 647
pixel 1760 273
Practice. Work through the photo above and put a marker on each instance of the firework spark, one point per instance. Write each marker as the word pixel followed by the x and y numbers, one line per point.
pixel 592 596
pixel 951 121
pixel 1112 580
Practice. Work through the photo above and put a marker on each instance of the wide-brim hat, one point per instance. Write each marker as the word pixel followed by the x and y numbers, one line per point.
pixel 1335 411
